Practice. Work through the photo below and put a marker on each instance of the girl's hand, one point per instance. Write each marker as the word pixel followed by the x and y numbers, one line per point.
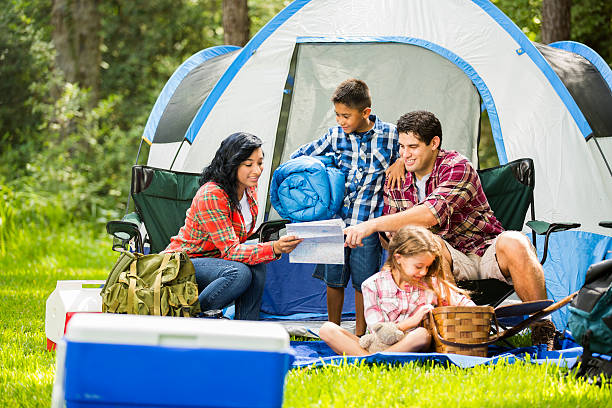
pixel 421 312
pixel 285 244
pixel 415 319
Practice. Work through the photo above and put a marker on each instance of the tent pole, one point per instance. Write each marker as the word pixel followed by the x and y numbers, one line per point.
pixel 176 155
pixel 603 155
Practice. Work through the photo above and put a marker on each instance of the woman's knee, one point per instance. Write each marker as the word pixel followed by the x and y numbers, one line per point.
pixel 239 274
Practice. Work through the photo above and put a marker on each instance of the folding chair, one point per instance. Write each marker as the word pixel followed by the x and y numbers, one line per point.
pixel 509 190
pixel 161 200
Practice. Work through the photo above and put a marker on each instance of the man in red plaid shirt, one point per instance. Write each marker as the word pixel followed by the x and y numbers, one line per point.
pixel 442 192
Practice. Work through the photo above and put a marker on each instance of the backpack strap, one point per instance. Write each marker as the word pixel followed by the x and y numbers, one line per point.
pixel 158 281
pixel 132 287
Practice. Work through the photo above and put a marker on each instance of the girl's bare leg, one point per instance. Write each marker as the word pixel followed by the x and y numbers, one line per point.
pixel 341 340
pixel 417 340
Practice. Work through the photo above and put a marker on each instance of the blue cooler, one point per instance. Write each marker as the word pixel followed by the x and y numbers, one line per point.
pixel 109 360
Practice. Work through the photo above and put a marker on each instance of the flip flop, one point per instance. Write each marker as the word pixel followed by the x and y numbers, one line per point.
pixel 521 309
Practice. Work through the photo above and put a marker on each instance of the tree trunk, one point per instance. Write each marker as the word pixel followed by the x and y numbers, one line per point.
pixel 76 36
pixel 236 22
pixel 556 20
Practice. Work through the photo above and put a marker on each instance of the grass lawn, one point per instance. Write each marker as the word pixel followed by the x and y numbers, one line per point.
pixel 31 262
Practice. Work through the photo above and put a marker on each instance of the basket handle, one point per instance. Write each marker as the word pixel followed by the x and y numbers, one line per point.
pixel 510 332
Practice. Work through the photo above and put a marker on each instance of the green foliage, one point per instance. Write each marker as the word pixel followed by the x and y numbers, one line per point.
pixel 262 11
pixel 25 55
pixel 144 42
pixel 526 14
pixel 592 25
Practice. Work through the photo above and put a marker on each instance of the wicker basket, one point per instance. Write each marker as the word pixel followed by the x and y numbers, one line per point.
pixel 461 324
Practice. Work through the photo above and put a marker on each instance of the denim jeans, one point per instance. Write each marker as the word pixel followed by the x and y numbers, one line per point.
pixel 222 282
pixel 359 264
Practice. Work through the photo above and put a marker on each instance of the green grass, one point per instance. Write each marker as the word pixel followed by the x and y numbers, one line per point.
pixel 34 259
pixel 426 385
pixel 32 263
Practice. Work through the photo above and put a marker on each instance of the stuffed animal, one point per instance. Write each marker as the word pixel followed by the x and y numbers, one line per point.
pixel 382 336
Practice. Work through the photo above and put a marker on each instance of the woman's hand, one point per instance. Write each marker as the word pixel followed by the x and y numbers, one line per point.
pixel 285 244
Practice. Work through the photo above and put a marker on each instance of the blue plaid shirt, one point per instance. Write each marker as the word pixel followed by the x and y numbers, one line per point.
pixel 363 158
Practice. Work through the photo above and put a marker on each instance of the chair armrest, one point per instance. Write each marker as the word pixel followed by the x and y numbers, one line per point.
pixel 125 230
pixel 267 229
pixel 546 228
pixel 543 227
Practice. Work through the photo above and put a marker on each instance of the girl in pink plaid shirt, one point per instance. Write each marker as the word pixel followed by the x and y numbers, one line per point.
pixel 410 284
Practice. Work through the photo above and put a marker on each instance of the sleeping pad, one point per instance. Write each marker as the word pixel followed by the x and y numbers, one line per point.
pixel 307 189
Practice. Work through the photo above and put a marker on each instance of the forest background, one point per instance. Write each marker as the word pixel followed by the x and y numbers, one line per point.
pixel 79 79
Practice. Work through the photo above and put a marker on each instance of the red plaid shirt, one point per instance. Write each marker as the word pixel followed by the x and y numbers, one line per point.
pixel 384 301
pixel 455 197
pixel 213 230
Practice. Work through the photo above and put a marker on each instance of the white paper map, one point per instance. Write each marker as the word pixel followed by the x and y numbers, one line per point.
pixel 323 242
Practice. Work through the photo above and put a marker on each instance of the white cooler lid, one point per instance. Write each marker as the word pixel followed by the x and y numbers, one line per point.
pixel 177 332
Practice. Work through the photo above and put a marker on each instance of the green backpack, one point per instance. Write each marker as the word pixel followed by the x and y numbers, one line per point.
pixel 157 284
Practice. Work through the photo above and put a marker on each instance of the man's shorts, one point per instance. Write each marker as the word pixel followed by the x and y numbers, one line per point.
pixel 359 264
pixel 473 267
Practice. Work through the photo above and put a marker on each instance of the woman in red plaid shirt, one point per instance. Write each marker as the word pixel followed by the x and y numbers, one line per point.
pixel 221 217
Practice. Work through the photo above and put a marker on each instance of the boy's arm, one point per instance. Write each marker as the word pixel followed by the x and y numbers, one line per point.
pixel 315 148
pixel 396 174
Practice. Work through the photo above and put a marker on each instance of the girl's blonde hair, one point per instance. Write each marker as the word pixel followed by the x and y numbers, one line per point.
pixel 410 241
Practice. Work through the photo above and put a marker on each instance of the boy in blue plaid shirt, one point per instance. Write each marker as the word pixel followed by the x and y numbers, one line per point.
pixel 364 148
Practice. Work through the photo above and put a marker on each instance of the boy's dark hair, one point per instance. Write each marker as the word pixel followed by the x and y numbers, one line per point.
pixel 354 93
pixel 423 124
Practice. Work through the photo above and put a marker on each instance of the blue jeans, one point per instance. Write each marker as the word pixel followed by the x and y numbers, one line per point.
pixel 359 264
pixel 222 282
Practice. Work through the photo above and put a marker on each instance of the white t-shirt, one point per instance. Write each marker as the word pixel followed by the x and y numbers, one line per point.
pixel 420 185
pixel 245 209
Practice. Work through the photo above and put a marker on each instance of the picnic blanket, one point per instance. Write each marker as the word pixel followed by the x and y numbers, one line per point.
pixel 317 353
pixel 307 189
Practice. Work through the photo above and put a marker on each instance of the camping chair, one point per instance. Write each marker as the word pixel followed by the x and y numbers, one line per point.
pixel 161 200
pixel 509 190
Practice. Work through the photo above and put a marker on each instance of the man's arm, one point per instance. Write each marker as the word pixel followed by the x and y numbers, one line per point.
pixel 418 215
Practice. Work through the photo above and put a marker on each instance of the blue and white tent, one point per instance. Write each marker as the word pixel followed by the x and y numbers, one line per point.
pixel 452 57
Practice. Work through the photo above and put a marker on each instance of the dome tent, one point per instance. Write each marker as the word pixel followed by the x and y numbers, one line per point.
pixel 450 57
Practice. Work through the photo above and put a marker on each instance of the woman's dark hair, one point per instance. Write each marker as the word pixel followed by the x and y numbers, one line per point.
pixel 234 149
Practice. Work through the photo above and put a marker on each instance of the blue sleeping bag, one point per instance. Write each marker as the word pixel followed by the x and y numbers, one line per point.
pixel 307 189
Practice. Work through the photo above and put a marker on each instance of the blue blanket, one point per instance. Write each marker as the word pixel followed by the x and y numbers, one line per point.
pixel 307 189
pixel 317 353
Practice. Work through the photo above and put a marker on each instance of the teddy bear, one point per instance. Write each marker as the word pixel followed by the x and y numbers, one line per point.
pixel 382 336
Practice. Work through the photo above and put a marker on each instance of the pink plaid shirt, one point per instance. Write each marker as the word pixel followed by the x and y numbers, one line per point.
pixel 455 197
pixel 384 301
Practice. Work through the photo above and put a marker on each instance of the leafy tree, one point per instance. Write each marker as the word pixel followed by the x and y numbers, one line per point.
pixel 556 20
pixel 236 24
pixel 25 58
pixel 76 35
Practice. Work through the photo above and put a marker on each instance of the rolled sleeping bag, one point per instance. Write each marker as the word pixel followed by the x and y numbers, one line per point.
pixel 305 189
